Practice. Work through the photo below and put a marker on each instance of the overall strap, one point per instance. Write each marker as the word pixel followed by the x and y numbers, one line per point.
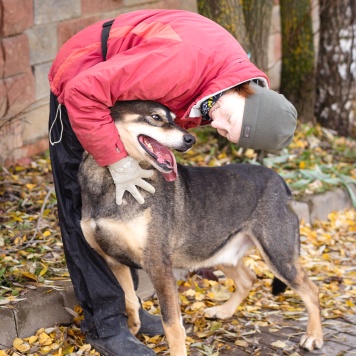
pixel 104 37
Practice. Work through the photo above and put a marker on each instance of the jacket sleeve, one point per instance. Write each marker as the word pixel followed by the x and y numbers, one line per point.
pixel 145 72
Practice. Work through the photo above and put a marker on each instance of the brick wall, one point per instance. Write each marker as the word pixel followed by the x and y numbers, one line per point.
pixel 31 33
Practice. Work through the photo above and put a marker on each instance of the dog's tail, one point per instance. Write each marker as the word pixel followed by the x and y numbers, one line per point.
pixel 278 286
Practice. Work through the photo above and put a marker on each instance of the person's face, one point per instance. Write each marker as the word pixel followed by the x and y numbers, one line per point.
pixel 227 114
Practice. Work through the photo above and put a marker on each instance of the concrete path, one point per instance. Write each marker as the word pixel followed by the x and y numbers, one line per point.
pixel 339 340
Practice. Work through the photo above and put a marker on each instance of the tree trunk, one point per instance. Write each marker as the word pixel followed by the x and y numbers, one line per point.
pixel 228 14
pixel 297 77
pixel 258 15
pixel 335 79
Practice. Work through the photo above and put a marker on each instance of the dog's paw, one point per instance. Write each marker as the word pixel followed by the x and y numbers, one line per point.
pixel 217 312
pixel 134 326
pixel 311 342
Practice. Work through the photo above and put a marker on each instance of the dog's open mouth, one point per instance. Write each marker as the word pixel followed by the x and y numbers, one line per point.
pixel 162 155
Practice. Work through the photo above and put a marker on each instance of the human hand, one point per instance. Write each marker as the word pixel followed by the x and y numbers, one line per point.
pixel 127 174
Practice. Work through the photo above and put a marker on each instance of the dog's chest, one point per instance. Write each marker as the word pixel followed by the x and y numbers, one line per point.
pixel 119 239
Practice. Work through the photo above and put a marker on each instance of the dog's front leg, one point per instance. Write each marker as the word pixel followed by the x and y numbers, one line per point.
pixel 164 283
pixel 123 275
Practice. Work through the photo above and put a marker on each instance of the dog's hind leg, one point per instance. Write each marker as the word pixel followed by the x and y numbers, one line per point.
pixel 309 293
pixel 123 275
pixel 164 283
pixel 281 256
pixel 243 278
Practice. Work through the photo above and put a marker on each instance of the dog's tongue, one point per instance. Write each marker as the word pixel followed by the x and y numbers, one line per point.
pixel 169 177
pixel 164 156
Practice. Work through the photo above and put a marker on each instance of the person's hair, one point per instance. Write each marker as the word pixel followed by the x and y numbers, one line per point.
pixel 243 89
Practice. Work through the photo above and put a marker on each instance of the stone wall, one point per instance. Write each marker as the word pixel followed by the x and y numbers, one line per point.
pixel 31 33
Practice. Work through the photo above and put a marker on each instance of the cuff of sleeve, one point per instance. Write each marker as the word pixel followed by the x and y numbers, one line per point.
pixel 117 154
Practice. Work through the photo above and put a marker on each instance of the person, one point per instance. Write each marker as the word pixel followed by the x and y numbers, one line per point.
pixel 180 59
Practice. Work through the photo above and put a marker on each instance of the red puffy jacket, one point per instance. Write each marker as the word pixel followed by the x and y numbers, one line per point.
pixel 174 57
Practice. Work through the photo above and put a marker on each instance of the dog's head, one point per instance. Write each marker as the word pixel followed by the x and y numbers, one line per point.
pixel 147 130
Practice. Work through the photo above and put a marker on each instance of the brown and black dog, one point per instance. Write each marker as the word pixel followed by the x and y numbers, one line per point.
pixel 198 217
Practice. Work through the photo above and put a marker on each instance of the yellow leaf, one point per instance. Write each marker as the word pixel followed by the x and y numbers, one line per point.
pixel 30 186
pixel 250 153
pixel 241 343
pixel 20 345
pixel 210 295
pixel 251 308
pixel 32 339
pixel 55 346
pixel 17 342
pixel 44 339
pixel 154 339
pixel 197 305
pixel 269 274
pixel 85 348
pixel 46 233
pixel 3 353
pixel 29 275
pixel 280 344
pixel 44 270
pixel 301 165
pixel 216 325
pixel 203 334
pixel 350 304
pixel 160 349
pixel 189 340
pixel 147 304
pixel 190 293
pixel 46 349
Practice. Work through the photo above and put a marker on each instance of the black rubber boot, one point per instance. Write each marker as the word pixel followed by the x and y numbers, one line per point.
pixel 151 324
pixel 123 344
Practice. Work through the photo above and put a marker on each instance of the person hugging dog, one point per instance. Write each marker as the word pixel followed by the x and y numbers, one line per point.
pixel 162 56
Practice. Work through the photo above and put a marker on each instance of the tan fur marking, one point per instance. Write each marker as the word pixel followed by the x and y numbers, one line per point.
pixel 175 334
pixel 87 229
pixel 130 236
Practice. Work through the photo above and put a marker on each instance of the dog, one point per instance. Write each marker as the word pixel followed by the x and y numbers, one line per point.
pixel 198 217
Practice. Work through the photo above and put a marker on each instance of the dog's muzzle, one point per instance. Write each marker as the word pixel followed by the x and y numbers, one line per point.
pixel 188 142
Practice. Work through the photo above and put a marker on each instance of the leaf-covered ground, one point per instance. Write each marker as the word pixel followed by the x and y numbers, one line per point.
pixel 31 251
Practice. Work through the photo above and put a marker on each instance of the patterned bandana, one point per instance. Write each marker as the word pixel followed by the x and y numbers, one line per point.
pixel 207 104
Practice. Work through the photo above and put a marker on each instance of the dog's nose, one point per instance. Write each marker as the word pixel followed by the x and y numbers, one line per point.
pixel 189 139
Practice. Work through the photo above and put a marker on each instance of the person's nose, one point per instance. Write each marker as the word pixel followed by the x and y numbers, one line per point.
pixel 218 123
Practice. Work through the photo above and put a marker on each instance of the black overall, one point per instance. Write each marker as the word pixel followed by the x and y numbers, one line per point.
pixel 98 292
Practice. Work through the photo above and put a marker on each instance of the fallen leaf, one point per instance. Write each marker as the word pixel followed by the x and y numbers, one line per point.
pixel 280 344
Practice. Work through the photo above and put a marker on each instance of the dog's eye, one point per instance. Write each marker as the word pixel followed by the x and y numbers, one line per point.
pixel 156 117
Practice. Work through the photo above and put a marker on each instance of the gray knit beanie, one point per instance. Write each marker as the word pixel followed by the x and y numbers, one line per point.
pixel 269 120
